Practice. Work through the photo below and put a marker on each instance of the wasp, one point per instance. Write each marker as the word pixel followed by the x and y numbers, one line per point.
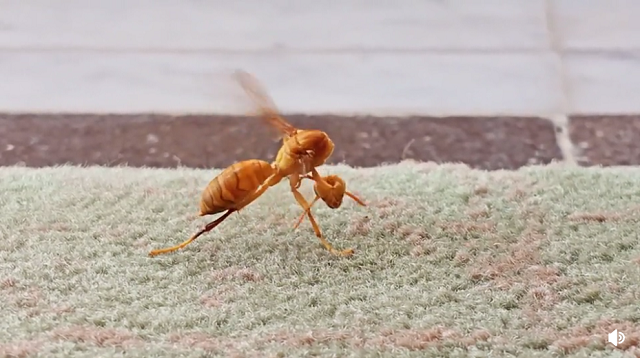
pixel 242 183
pixel 331 189
pixel 225 192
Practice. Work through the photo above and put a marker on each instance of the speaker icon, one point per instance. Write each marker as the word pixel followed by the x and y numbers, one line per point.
pixel 616 337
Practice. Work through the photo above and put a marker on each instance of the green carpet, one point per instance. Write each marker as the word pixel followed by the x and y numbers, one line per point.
pixel 449 261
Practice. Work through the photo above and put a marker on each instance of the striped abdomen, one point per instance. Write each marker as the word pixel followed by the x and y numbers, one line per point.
pixel 233 184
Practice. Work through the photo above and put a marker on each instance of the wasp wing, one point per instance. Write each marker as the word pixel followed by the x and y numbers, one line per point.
pixel 266 108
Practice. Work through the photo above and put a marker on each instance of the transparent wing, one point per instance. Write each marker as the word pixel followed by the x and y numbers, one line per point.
pixel 264 104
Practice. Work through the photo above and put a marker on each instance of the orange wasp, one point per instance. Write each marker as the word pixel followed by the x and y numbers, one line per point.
pixel 227 189
pixel 302 151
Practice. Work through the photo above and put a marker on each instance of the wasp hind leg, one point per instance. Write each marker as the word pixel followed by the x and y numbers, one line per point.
pixel 210 226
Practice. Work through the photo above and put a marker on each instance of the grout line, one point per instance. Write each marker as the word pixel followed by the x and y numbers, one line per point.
pixel 379 113
pixel 560 120
pixel 568 149
pixel 273 50
pixel 290 50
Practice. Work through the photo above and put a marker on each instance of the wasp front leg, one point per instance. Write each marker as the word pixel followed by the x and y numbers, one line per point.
pixel 305 213
pixel 294 183
pixel 324 242
pixel 299 182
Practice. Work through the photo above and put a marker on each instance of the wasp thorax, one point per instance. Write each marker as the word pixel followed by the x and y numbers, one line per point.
pixel 317 142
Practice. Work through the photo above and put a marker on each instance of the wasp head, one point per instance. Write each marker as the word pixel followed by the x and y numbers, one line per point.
pixel 331 191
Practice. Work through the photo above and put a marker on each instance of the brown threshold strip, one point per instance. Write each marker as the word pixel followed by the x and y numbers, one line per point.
pixel 607 140
pixel 201 141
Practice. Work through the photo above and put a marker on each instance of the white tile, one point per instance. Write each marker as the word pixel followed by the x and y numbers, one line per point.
pixel 604 83
pixel 598 24
pixel 379 84
pixel 251 25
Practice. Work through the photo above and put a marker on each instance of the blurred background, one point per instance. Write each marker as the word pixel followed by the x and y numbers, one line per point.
pixel 493 84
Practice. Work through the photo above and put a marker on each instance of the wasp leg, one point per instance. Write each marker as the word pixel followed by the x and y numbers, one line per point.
pixel 293 182
pixel 274 179
pixel 299 181
pixel 305 213
pixel 355 198
pixel 210 226
pixel 325 243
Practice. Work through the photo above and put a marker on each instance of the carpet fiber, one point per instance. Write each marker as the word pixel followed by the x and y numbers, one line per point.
pixel 449 261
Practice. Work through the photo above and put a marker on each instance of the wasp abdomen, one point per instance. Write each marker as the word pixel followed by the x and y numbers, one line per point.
pixel 232 185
